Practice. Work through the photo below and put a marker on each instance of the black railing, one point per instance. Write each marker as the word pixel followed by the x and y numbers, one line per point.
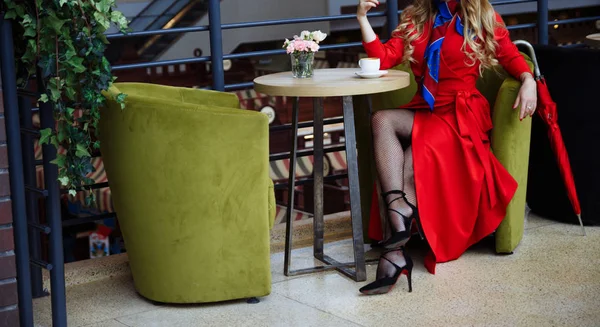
pixel 23 164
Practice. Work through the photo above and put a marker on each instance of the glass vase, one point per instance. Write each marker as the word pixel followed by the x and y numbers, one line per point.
pixel 302 64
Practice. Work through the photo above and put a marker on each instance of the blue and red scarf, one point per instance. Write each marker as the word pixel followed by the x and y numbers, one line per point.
pixel 445 15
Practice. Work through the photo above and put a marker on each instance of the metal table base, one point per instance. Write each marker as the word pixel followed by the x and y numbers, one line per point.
pixel 357 269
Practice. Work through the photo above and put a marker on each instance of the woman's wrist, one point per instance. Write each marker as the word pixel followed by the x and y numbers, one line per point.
pixel 525 77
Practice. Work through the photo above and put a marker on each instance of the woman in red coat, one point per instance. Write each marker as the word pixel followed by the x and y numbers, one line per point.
pixel 433 156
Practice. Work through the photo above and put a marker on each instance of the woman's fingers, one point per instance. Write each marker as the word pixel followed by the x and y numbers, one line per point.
pixel 517 101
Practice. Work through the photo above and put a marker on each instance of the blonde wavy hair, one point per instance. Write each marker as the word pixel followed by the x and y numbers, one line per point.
pixel 479 20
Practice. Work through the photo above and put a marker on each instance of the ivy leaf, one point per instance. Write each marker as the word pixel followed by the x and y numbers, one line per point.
pixel 81 151
pixel 101 19
pixel 43 98
pixel 121 99
pixel 54 141
pixel 60 161
pixel 30 31
pixel 54 22
pixel 64 180
pixel 118 18
pixel 62 2
pixel 54 87
pixel 77 64
pixel 45 135
pixel 48 66
pixel 11 14
pixel 72 192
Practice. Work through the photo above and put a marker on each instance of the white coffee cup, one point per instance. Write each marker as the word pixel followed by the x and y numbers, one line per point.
pixel 369 65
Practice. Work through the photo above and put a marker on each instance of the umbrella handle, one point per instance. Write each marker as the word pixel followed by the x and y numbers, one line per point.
pixel 536 67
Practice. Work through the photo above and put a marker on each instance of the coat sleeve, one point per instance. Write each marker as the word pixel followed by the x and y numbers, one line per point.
pixel 507 53
pixel 389 53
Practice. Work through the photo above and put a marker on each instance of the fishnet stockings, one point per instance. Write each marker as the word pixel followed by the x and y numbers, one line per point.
pixel 392 129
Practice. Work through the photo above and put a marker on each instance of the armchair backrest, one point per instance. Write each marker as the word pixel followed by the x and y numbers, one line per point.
pixel 184 95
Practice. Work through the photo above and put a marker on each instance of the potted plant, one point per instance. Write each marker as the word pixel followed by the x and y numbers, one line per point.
pixel 302 51
pixel 63 43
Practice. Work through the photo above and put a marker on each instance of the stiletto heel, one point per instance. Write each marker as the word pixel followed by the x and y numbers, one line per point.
pixel 399 239
pixel 386 284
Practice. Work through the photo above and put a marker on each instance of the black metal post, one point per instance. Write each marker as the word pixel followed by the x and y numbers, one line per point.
pixel 542 11
pixel 216 44
pixel 55 248
pixel 27 147
pixel 17 183
pixel 392 15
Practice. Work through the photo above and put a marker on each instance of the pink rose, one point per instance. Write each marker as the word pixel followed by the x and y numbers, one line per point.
pixel 290 48
pixel 300 46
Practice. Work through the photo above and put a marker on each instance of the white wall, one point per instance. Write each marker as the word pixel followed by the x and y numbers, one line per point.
pixel 236 11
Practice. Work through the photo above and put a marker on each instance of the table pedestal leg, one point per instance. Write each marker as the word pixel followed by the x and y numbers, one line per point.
pixel 287 261
pixel 357 269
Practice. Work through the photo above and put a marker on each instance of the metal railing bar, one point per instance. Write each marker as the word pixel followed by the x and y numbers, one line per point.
pixel 520 26
pixel 204 28
pixel 161 63
pixel 30 131
pixel 314 19
pixel 42 228
pixel 27 93
pixel 283 186
pixel 85 220
pixel 87 187
pixel 16 177
pixel 41 192
pixel 238 86
pixel 263 53
pixel 41 264
pixel 509 2
pixel 305 152
pixel 573 20
pixel 176 30
pixel 327 121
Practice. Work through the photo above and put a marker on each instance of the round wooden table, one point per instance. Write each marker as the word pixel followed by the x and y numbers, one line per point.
pixel 593 40
pixel 328 83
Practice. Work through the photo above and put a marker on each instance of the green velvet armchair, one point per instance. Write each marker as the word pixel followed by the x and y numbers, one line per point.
pixel 510 143
pixel 189 176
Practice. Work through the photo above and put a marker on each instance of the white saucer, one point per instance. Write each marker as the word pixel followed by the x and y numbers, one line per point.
pixel 376 74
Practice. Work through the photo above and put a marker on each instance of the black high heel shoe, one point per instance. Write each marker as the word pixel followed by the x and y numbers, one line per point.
pixel 386 284
pixel 399 239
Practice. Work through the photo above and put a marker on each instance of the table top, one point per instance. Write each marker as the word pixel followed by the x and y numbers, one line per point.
pixel 329 83
pixel 593 40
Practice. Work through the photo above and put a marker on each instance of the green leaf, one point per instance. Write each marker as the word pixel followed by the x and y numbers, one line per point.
pixel 62 2
pixel 77 64
pixel 72 192
pixel 54 22
pixel 11 14
pixel 101 19
pixel 60 160
pixel 30 31
pixel 64 180
pixel 118 18
pixel 45 135
pixel 54 141
pixel 54 87
pixel 81 151
pixel 43 98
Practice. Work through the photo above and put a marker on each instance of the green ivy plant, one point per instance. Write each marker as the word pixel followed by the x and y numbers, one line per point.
pixel 63 43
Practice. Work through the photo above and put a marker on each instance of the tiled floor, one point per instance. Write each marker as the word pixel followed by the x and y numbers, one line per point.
pixel 553 279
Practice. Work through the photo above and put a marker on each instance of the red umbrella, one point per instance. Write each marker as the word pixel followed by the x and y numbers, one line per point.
pixel 547 111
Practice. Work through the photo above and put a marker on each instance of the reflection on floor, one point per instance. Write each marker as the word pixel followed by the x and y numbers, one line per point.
pixel 553 279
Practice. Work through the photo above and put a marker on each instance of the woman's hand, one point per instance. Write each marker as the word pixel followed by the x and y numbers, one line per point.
pixel 364 6
pixel 527 97
pixel 361 14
